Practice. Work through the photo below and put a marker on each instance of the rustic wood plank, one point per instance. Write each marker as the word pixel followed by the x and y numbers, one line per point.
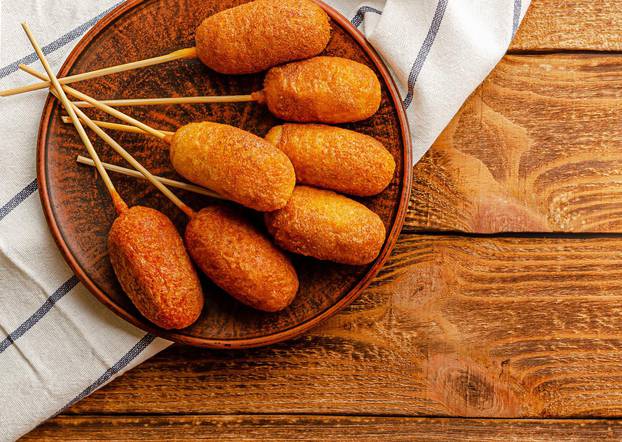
pixel 248 427
pixel 537 147
pixel 453 326
pixel 571 25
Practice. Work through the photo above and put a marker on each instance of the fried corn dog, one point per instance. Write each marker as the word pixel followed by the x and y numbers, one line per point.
pixel 240 259
pixel 234 163
pixel 153 268
pixel 255 36
pixel 327 226
pixel 321 89
pixel 334 158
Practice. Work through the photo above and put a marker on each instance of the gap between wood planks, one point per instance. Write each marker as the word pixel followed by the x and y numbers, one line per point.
pixel 535 52
pixel 70 415
pixel 543 235
pixel 285 427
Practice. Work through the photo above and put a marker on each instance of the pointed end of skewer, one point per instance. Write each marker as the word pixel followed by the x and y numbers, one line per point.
pixel 84 160
pixel 27 30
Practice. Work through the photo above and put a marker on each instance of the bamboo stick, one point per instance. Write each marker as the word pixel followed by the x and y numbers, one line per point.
pixel 172 100
pixel 116 126
pixel 118 202
pixel 133 173
pixel 176 55
pixel 109 110
pixel 121 151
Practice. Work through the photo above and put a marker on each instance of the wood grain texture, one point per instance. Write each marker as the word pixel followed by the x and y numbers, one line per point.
pixel 342 428
pixel 537 147
pixel 571 25
pixel 453 326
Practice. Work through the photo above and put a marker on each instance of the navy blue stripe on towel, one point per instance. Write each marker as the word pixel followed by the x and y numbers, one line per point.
pixel 116 368
pixel 18 199
pixel 39 314
pixel 56 44
pixel 360 15
pixel 425 49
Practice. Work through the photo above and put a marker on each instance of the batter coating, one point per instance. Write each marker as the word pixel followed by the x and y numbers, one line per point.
pixel 240 259
pixel 258 35
pixel 322 90
pixel 335 158
pixel 328 226
pixel 237 164
pixel 153 268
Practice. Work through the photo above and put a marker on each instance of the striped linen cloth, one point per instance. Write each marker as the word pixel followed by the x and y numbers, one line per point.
pixel 57 343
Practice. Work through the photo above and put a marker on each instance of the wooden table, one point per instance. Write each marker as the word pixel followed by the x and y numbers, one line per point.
pixel 500 311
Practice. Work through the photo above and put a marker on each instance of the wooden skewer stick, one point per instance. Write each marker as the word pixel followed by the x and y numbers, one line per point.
pixel 176 55
pixel 109 110
pixel 173 100
pixel 131 172
pixel 119 204
pixel 70 107
pixel 116 126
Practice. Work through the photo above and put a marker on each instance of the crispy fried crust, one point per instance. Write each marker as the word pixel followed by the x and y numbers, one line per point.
pixel 240 259
pixel 322 90
pixel 256 36
pixel 237 164
pixel 153 268
pixel 335 158
pixel 326 225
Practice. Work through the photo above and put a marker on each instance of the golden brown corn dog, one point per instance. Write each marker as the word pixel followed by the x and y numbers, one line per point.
pixel 328 226
pixel 335 158
pixel 255 36
pixel 237 164
pixel 321 89
pixel 240 259
pixel 153 268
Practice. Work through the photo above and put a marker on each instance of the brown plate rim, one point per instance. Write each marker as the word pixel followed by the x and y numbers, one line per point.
pixel 240 343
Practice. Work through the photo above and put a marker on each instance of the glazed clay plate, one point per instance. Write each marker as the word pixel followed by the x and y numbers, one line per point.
pixel 78 207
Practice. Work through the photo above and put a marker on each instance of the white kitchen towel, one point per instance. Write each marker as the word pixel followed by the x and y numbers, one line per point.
pixel 57 343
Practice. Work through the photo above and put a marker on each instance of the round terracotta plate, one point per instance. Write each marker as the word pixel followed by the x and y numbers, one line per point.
pixel 78 208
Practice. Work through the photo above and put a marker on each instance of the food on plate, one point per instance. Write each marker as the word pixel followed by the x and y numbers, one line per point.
pixel 328 226
pixel 240 259
pixel 234 163
pixel 334 158
pixel 321 89
pixel 152 262
pixel 258 35
pixel 153 268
